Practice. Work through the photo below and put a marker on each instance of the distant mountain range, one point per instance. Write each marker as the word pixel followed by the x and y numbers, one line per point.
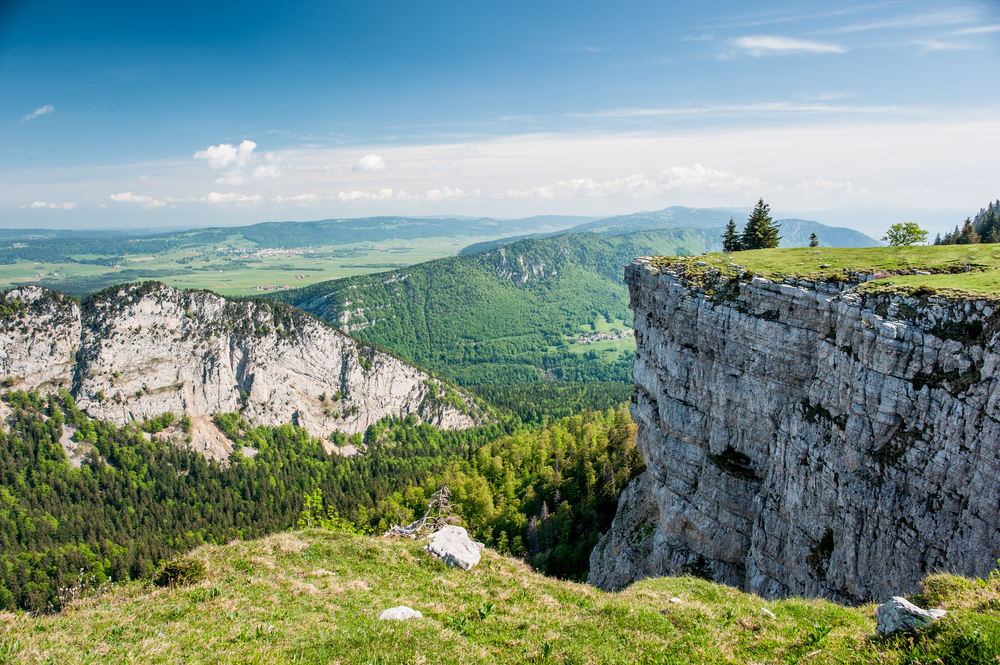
pixel 794 232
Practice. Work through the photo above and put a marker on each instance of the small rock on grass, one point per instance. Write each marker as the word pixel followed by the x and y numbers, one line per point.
pixel 400 613
pixel 899 614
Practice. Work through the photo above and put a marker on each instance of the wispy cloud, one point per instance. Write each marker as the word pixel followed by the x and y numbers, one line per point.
pixel 48 108
pixel 772 20
pixel 935 45
pixel 945 17
pixel 759 45
pixel 696 38
pixel 977 30
pixel 763 107
pixel 146 201
pixel 695 179
pixel 53 206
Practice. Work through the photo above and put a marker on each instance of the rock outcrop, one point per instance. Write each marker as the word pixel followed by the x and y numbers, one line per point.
pixel 136 351
pixel 806 439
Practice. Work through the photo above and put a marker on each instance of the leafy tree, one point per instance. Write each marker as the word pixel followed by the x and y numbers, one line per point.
pixel 903 234
pixel 760 232
pixel 731 240
pixel 813 240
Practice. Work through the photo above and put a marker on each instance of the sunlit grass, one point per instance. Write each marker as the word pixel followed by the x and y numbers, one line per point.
pixel 313 597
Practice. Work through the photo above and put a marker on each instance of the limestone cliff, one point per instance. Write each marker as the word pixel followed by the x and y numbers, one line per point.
pixel 136 351
pixel 807 439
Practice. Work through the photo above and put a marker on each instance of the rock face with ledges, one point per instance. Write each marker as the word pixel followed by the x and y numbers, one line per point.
pixel 802 439
pixel 136 351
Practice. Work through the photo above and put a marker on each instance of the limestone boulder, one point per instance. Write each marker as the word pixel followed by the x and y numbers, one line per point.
pixel 453 545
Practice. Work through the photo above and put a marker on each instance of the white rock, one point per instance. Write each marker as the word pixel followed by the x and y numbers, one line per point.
pixel 899 614
pixel 453 546
pixel 675 599
pixel 400 613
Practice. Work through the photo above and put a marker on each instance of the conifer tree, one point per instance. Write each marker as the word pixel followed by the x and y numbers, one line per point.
pixel 760 232
pixel 813 240
pixel 968 236
pixel 731 241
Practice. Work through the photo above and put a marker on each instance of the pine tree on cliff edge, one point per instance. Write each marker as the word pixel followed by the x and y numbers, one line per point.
pixel 731 239
pixel 760 232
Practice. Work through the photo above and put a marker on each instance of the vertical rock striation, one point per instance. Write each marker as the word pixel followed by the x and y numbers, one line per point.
pixel 136 351
pixel 804 439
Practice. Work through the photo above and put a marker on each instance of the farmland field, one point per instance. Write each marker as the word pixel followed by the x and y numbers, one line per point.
pixel 235 267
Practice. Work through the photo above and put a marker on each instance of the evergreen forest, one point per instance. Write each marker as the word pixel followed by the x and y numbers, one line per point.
pixel 543 492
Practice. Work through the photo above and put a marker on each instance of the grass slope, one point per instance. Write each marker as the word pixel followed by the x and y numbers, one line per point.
pixel 313 597
pixel 961 270
pixel 506 316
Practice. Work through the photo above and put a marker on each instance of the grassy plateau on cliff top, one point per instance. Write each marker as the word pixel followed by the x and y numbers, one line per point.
pixel 894 266
pixel 314 597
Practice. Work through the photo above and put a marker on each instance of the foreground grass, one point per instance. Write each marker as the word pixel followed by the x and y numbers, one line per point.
pixel 946 263
pixel 313 597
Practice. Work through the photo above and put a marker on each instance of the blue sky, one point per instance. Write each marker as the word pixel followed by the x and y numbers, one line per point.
pixel 223 113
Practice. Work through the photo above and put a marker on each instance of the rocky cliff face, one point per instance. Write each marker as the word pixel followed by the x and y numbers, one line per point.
pixel 136 351
pixel 804 439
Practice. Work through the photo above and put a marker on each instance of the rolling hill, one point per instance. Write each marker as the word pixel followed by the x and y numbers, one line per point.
pixel 505 316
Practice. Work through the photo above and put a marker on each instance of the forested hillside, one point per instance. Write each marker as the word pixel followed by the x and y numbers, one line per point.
pixel 138 499
pixel 506 316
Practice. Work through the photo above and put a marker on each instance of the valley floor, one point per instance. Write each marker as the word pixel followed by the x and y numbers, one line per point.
pixel 313 597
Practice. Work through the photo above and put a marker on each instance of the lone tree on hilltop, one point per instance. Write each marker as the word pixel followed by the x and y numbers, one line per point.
pixel 731 239
pixel 906 233
pixel 813 240
pixel 760 232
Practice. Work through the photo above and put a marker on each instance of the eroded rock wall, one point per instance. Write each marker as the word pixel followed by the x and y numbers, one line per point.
pixel 140 350
pixel 802 439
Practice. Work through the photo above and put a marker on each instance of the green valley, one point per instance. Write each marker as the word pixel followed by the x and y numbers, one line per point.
pixel 511 315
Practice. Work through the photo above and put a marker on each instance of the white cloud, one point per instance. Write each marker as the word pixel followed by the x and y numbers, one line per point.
pixel 976 31
pixel 934 45
pixel 231 197
pixel 674 180
pixel 704 180
pixel 636 185
pixel 300 198
pixel 53 206
pixel 129 197
pixel 226 155
pixel 48 108
pixel 370 163
pixel 824 188
pixel 232 161
pixel 758 45
pixel 944 17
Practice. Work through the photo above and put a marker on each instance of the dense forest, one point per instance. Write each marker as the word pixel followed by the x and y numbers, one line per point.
pixel 542 492
pixel 502 317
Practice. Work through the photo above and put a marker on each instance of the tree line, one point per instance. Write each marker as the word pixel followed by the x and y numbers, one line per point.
pixel 983 228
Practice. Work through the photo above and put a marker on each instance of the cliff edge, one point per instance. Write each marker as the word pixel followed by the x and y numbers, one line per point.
pixel 806 438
